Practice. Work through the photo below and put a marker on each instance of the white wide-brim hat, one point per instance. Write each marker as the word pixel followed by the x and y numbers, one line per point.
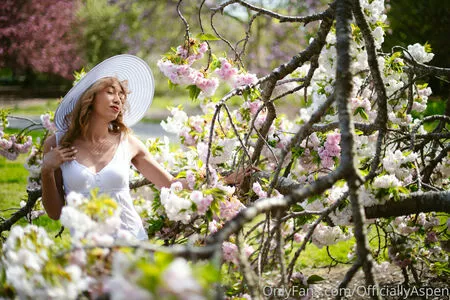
pixel 124 67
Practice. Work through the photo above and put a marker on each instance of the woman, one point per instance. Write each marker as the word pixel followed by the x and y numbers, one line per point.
pixel 93 148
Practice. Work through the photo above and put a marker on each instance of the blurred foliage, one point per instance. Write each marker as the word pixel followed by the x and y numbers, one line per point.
pixel 150 28
pixel 37 37
pixel 422 21
pixel 135 27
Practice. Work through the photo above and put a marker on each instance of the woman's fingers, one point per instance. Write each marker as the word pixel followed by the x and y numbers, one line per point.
pixel 67 153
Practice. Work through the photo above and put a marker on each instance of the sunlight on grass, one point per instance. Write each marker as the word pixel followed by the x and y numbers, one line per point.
pixel 313 257
pixel 13 182
pixel 25 109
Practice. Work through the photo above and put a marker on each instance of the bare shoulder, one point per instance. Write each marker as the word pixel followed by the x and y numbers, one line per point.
pixel 137 147
pixel 49 143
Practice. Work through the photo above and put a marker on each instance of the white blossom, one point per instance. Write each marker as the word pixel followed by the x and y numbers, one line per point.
pixel 419 54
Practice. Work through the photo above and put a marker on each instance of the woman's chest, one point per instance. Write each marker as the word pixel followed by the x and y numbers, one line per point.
pixel 114 176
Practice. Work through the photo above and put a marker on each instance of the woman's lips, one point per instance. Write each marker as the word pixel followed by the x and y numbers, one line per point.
pixel 115 108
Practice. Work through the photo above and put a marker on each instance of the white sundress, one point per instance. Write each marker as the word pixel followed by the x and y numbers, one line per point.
pixel 113 180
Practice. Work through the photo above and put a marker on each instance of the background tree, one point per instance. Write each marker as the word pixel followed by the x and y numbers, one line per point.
pixel 37 36
pixel 425 22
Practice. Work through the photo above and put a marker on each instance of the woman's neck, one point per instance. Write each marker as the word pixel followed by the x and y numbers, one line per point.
pixel 98 131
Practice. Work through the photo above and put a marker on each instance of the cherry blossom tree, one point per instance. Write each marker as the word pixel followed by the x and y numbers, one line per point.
pixel 37 36
pixel 359 155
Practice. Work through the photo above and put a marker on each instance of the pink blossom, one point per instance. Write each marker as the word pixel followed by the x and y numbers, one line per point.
pixel 6 144
pixel 203 48
pixel 254 107
pixel 213 226
pixel 201 202
pixel 432 237
pixel 226 71
pixel 182 52
pixel 230 208
pixel 190 178
pixel 197 123
pixel 330 150
pixel 176 186
pixel 178 74
pixel 298 238
pixel 258 190
pixel 205 203
pixel 244 79
pixel 47 123
pixel 208 86
pixel 230 252
pixel 25 147
pixel 189 140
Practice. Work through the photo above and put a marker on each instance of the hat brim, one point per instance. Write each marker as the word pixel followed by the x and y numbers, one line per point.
pixel 124 67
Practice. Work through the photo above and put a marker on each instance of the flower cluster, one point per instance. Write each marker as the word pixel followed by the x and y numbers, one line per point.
pixel 33 165
pixel 170 277
pixel 231 252
pixel 419 53
pixel 47 122
pixel 328 235
pixel 94 220
pixel 405 248
pixel 183 205
pixel 178 68
pixel 330 150
pixel 32 269
pixel 12 145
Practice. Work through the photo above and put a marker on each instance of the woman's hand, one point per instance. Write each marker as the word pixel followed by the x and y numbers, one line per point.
pixel 57 156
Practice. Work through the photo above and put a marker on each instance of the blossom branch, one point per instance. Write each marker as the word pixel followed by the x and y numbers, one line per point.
pixel 428 171
pixel 343 93
pixel 282 18
pixel 382 116
pixel 33 196
pixel 186 24
pixel 411 204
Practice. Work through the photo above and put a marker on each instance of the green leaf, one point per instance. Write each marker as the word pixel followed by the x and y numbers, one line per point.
pixel 362 113
pixel 403 190
pixel 314 278
pixel 194 91
pixel 207 37
pixel 215 207
pixel 155 225
pixel 171 85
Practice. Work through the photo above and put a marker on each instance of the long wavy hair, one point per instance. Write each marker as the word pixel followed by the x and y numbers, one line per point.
pixel 79 118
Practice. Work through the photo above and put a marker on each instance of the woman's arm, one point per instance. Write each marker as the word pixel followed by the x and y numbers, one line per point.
pixel 51 177
pixel 147 166
pixel 156 174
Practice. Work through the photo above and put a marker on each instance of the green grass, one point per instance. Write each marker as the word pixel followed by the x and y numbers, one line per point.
pixel 32 110
pixel 13 182
pixel 314 257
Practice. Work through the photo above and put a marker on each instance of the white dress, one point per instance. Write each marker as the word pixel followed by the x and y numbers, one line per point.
pixel 113 180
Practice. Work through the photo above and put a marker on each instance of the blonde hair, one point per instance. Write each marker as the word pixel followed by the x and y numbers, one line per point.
pixel 79 119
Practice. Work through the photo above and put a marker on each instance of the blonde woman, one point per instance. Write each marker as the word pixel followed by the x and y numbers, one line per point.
pixel 93 147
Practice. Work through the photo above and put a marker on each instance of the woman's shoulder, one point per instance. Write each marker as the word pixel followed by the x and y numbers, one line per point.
pixel 135 144
pixel 134 141
pixel 50 142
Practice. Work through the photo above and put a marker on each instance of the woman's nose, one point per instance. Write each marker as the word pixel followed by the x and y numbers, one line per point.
pixel 117 99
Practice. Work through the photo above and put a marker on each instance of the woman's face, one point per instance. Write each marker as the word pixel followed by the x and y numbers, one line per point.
pixel 108 102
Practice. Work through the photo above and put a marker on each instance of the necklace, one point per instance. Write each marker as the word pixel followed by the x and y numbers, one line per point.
pixel 100 148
